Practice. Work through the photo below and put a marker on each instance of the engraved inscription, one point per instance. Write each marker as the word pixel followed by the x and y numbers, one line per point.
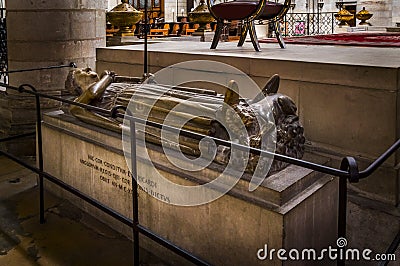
pixel 120 178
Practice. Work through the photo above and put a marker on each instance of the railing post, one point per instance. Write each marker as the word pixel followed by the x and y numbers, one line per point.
pixel 145 56
pixel 135 199
pixel 348 164
pixel 3 46
pixel 40 154
pixel 135 203
pixel 285 21
pixel 342 216
pixel 39 149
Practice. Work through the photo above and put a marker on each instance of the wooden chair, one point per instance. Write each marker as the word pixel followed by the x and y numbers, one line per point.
pixel 189 31
pixel 273 13
pixel 175 30
pixel 158 33
pixel 248 11
pixel 186 30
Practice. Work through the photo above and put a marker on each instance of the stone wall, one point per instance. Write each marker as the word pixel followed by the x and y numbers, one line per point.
pixel 396 12
pixel 177 6
pixel 45 33
pixel 112 4
pixel 381 10
pixel 385 12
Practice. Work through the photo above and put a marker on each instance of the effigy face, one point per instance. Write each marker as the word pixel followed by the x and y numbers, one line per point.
pixel 227 117
pixel 80 79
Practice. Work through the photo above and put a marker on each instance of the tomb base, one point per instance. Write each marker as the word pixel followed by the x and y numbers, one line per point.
pixel 295 208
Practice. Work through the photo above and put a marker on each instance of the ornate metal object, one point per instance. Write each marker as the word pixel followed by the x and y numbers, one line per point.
pixel 124 16
pixel 364 15
pixel 202 16
pixel 344 16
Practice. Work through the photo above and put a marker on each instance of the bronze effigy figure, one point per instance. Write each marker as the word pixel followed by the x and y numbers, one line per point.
pixel 110 90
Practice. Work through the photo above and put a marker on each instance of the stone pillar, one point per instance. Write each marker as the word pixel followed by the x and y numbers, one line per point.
pixel 113 3
pixel 175 5
pixel 43 33
pixel 395 13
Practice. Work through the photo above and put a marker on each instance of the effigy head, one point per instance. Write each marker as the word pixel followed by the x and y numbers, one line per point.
pixel 289 131
pixel 80 79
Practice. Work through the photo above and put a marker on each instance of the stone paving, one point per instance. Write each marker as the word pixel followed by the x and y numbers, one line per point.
pixel 69 236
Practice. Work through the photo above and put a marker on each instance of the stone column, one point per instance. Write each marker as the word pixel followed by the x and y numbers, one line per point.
pixel 113 3
pixel 43 33
pixel 395 13
pixel 381 10
pixel 175 5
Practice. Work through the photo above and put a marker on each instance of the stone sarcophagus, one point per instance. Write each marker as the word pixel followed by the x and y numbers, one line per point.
pixel 85 150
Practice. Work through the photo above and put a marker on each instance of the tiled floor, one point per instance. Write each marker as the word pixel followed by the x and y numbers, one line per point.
pixel 69 236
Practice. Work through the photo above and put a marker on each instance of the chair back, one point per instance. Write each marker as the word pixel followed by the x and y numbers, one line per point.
pixel 247 11
pixel 274 10
pixel 236 9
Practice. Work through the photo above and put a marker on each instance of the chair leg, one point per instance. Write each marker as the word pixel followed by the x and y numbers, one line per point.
pixel 279 35
pixel 243 33
pixel 253 37
pixel 217 34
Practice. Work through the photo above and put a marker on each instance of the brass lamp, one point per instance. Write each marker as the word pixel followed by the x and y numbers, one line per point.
pixel 202 16
pixel 124 16
pixel 364 15
pixel 344 16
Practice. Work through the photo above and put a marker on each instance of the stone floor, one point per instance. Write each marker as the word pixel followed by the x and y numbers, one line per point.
pixel 69 236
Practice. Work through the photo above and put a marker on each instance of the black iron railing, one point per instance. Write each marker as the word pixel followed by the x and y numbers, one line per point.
pixel 348 171
pixel 3 45
pixel 300 24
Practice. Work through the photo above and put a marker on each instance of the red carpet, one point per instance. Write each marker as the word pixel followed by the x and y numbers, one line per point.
pixel 387 39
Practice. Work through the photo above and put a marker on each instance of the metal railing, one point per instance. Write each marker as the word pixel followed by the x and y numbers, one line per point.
pixel 300 24
pixel 3 45
pixel 348 171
